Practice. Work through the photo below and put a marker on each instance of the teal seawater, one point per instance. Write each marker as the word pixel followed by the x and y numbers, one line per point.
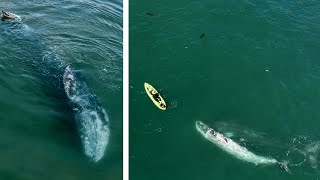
pixel 39 139
pixel 254 74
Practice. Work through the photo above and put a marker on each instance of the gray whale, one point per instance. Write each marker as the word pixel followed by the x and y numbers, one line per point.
pixel 234 148
pixel 91 119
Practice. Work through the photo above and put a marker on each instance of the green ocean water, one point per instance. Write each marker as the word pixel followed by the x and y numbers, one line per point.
pixel 255 73
pixel 38 136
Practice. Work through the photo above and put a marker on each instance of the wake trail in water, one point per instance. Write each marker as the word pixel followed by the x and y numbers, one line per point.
pixel 305 151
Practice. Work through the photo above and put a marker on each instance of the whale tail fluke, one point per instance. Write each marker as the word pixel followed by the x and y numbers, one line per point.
pixel 284 165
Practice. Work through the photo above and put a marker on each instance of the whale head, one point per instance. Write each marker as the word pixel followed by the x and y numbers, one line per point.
pixel 202 128
pixel 91 118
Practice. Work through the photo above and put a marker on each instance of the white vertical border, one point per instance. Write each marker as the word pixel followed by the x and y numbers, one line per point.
pixel 125 90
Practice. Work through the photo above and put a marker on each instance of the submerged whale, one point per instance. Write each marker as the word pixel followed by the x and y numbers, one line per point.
pixel 235 149
pixel 90 117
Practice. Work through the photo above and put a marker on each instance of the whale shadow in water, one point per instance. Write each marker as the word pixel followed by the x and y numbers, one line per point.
pixel 73 95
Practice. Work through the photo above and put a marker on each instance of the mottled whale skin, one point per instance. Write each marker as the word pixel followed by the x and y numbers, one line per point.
pixel 91 119
pixel 234 148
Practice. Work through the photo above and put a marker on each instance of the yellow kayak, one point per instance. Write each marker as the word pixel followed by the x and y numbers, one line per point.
pixel 155 96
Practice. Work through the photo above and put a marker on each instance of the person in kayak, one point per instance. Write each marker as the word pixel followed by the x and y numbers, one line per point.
pixel 163 105
pixel 156 95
